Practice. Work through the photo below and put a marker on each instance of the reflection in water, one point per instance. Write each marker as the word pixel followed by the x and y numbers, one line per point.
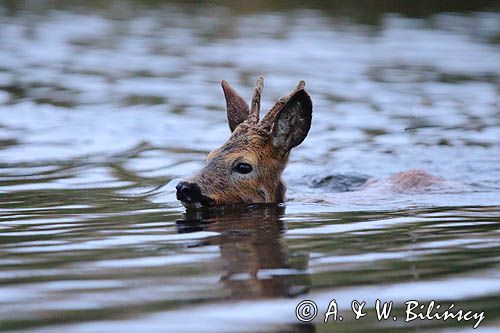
pixel 256 261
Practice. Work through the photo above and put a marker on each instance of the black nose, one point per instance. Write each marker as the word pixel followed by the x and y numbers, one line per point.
pixel 188 192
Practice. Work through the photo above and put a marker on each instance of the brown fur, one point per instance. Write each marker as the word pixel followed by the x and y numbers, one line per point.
pixel 264 145
pixel 217 181
pixel 414 180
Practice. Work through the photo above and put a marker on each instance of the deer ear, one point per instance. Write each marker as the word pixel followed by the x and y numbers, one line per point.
pixel 237 108
pixel 293 121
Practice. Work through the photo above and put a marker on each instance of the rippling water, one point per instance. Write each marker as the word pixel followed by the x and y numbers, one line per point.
pixel 103 108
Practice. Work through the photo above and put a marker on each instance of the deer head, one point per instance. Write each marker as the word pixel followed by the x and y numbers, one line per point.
pixel 247 168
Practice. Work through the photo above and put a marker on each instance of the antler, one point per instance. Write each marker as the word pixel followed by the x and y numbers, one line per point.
pixel 300 85
pixel 267 122
pixel 255 107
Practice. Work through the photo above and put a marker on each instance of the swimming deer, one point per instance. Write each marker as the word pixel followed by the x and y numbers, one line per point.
pixel 247 168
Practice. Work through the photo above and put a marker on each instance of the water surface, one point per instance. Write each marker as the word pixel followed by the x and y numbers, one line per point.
pixel 103 108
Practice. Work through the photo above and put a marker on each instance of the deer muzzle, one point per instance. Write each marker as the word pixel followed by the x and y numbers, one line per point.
pixel 189 194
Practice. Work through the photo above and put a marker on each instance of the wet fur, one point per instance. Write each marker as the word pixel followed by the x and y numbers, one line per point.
pixel 248 144
pixel 266 145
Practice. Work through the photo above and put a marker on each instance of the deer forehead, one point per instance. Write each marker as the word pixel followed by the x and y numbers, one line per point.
pixel 221 157
pixel 244 142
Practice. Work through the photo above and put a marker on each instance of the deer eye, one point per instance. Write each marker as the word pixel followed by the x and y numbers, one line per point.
pixel 243 168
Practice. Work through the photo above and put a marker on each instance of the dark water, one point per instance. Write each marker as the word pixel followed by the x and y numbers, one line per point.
pixel 103 108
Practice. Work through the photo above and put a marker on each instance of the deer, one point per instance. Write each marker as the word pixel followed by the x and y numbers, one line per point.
pixel 248 167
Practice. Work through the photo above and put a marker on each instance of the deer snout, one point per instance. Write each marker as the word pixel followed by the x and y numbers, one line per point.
pixel 188 192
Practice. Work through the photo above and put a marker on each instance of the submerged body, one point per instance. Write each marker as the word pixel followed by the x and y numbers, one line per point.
pixel 247 168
